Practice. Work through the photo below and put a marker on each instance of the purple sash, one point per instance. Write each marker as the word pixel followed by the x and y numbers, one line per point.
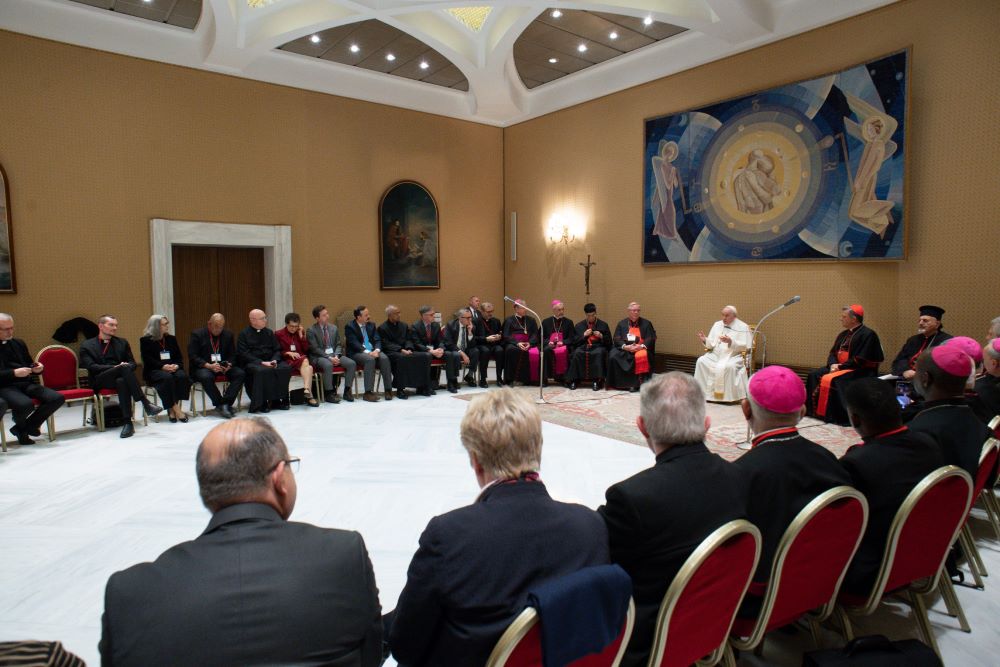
pixel 561 354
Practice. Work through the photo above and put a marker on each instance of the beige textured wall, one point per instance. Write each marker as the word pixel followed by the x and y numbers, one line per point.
pixel 95 145
pixel 589 157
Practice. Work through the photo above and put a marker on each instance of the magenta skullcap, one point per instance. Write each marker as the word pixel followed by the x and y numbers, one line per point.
pixel 555 301
pixel 952 359
pixel 777 389
pixel 995 344
pixel 967 345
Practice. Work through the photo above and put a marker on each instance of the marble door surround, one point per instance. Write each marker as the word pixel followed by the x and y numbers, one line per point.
pixel 276 240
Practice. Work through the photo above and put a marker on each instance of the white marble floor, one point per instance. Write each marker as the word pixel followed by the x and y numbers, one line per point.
pixel 76 510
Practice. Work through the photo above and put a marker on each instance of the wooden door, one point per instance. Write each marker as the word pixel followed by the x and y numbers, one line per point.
pixel 210 279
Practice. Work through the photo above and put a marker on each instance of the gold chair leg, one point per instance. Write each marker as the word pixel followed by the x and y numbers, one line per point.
pixel 728 657
pixel 814 631
pixel 972 556
pixel 99 416
pixel 50 426
pixel 992 510
pixel 923 622
pixel 951 601
pixel 3 435
pixel 845 623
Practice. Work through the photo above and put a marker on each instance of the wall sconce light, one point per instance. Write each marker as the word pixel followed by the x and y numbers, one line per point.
pixel 564 227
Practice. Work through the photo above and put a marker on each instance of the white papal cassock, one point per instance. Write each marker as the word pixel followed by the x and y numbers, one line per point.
pixel 720 371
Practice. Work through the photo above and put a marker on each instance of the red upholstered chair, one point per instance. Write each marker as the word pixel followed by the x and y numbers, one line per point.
pixel 987 462
pixel 60 374
pixel 521 644
pixel 698 609
pixel 922 532
pixel 809 565
pixel 995 426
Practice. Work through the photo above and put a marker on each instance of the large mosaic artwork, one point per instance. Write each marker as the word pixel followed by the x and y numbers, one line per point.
pixel 810 170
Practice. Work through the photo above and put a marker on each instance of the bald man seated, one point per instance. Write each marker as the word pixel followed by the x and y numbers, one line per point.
pixel 253 588
pixel 259 353
pixel 212 354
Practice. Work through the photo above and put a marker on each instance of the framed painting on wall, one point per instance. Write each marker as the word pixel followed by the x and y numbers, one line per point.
pixel 7 282
pixel 408 238
pixel 810 170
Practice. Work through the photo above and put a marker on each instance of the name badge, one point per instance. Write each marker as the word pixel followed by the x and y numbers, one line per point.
pixel 216 357
pixel 164 356
pixel 328 350
pixel 291 347
pixel 631 338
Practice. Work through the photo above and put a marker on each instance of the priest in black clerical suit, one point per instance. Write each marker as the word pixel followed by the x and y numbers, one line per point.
pixel 929 334
pixel 856 353
pixel 492 345
pixel 589 357
pixel 520 334
pixel 17 388
pixel 558 337
pixel 633 350
pixel 267 377
pixel 109 362
pixel 212 353
pixel 409 367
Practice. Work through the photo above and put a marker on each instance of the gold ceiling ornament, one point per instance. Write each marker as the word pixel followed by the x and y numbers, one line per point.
pixel 472 17
pixel 255 4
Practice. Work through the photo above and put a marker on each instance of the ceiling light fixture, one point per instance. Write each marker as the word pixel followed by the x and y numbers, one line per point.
pixel 613 35
pixel 314 39
pixel 355 48
pixel 648 20
pixel 424 64
pixel 553 60
pixel 255 4
pixel 556 13
pixel 390 57
pixel 581 48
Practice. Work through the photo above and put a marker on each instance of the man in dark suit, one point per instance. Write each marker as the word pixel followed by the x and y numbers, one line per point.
pixel 483 347
pixel 109 362
pixel 657 517
pixel 254 588
pixel 885 467
pixel 364 346
pixel 461 348
pixel 17 389
pixel 429 337
pixel 211 353
pixel 259 353
pixel 492 347
pixel 409 367
pixel 474 566
pixel 783 471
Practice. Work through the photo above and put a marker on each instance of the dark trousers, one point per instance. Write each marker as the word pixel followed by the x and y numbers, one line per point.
pixel 172 387
pixel 267 384
pixel 26 416
pixel 453 362
pixel 487 352
pixel 121 379
pixel 206 379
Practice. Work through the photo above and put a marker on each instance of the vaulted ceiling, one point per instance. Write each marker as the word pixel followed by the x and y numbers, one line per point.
pixel 497 63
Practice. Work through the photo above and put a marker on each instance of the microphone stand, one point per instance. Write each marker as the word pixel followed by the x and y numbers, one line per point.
pixel 541 350
pixel 753 340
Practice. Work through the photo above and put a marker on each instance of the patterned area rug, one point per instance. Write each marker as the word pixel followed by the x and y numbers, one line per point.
pixel 612 414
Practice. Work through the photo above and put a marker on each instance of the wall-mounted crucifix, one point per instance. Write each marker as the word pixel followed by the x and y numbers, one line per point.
pixel 586 273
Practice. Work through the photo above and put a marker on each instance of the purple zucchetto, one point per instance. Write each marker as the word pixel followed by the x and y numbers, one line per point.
pixel 777 389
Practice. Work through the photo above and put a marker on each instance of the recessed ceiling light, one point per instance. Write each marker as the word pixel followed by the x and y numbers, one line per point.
pixel 613 35
pixel 581 48
pixel 314 39
pixel 355 48
pixel 553 60
pixel 390 57
pixel 556 13
pixel 424 64
pixel 648 20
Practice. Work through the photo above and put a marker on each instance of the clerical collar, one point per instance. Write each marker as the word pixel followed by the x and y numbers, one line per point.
pixel 776 435
pixel 880 436
pixel 853 329
pixel 104 340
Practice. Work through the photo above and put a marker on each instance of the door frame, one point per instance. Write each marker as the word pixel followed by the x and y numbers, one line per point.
pixel 276 241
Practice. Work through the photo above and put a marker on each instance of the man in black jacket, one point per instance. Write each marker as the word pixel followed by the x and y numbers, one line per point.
pixel 259 353
pixel 461 348
pixel 364 346
pixel 658 517
pixel 212 353
pixel 17 388
pixel 589 359
pixel 254 588
pixel 409 367
pixel 109 362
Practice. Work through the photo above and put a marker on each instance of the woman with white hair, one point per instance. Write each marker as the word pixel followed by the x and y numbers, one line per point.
pixel 163 366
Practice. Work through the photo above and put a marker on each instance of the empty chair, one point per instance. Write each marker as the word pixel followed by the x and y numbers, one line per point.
pixel 61 375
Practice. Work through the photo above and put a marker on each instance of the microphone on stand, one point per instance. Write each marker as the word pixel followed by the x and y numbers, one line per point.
pixel 794 299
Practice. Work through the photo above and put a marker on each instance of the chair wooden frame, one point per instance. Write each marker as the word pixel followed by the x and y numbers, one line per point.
pixel 889 556
pixel 810 511
pixel 91 399
pixel 680 583
pixel 527 619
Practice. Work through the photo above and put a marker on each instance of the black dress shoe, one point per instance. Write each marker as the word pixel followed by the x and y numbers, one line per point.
pixel 24 439
pixel 16 432
pixel 597 385
pixel 484 384
pixel 500 382
pixel 332 397
pixel 173 420
pixel 265 408
pixel 281 405
pixel 348 396
pixel 470 380
pixel 127 430
pixel 634 389
pixel 453 387
pixel 150 410
pixel 401 393
pixel 426 391
pixel 572 386
pixel 184 419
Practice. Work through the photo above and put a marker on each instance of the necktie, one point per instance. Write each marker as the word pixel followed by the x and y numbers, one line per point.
pixel 364 332
pixel 461 344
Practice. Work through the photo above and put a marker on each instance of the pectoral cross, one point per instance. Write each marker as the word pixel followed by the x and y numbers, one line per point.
pixel 586 273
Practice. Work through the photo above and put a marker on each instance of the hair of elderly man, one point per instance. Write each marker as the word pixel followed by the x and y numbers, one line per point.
pixel 731 309
pixel 423 310
pixel 391 307
pixel 240 475
pixel 217 317
pixel 461 311
pixel 851 313
pixel 672 406
pixel 104 318
pixel 503 429
pixel 486 305
pixel 6 317
pixel 988 351
pixel 995 328
pixel 153 326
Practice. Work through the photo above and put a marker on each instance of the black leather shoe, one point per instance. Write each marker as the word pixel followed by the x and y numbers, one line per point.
pixel 24 439
pixel 484 384
pixel 470 380
pixel 401 393
pixel 634 389
pixel 151 410
pixel 500 382
pixel 597 385
pixel 280 405
pixel 348 396
pixel 173 420
pixel 127 430
pixel 572 386
pixel 426 391
pixel 453 387
pixel 332 397
pixel 16 432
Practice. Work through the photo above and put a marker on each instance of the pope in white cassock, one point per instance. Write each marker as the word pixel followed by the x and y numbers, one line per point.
pixel 720 371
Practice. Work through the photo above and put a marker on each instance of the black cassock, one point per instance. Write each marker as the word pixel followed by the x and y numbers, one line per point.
pixel 516 366
pixel 408 370
pixel 906 360
pixel 589 358
pixel 858 350
pixel 494 350
pixel 621 364
pixel 550 326
pixel 254 347
pixel 986 402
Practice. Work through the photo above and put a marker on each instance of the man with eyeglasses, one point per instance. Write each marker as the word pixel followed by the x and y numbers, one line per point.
pixel 17 388
pixel 254 588
pixel 259 353
pixel 461 348
pixel 491 346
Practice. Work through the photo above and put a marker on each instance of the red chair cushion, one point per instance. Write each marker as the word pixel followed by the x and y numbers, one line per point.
pixel 76 394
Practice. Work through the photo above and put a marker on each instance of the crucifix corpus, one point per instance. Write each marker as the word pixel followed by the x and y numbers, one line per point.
pixel 586 273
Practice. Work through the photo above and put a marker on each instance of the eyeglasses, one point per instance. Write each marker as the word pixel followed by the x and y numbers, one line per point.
pixel 292 462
